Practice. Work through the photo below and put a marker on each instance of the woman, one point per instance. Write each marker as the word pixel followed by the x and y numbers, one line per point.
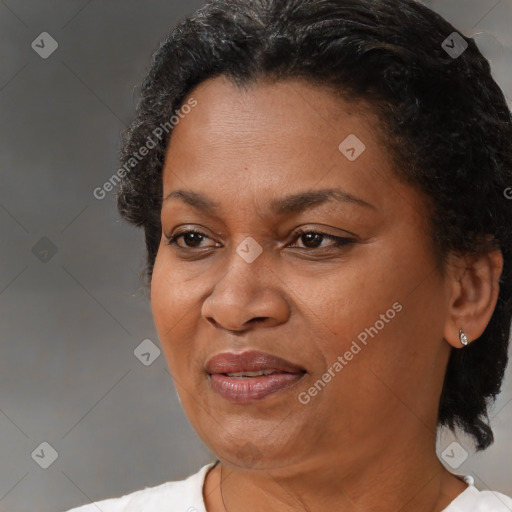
pixel 322 185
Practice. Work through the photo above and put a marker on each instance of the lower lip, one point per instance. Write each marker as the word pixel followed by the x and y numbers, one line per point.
pixel 251 389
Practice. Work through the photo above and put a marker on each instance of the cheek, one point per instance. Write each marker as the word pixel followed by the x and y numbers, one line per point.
pixel 162 297
pixel 171 304
pixel 174 290
pixel 353 299
pixel 384 302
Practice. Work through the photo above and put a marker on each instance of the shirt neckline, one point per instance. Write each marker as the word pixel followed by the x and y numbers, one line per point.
pixel 465 498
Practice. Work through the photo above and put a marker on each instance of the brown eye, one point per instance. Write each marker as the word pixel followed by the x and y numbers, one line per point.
pixel 313 239
pixel 191 238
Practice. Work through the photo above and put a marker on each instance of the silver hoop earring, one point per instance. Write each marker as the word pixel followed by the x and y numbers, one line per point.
pixel 462 337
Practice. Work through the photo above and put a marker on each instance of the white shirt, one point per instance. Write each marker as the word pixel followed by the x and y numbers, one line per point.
pixel 187 496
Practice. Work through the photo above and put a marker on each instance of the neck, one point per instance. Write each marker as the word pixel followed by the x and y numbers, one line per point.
pixel 405 476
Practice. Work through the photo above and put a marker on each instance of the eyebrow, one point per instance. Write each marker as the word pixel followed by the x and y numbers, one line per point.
pixel 288 205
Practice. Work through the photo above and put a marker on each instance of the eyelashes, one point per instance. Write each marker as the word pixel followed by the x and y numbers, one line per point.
pixel 196 236
pixel 338 240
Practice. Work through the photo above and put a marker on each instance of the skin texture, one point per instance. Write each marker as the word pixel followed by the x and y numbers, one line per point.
pixel 366 441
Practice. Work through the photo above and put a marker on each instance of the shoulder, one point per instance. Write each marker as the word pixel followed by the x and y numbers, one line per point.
pixel 473 500
pixel 184 496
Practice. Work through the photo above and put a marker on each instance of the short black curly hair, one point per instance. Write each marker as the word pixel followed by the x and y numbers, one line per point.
pixel 444 118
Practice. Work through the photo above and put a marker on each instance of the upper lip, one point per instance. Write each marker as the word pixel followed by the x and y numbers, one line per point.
pixel 249 361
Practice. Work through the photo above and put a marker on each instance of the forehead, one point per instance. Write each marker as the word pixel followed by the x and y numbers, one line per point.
pixel 274 137
pixel 282 106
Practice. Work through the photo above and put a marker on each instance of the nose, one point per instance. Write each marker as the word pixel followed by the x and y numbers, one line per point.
pixel 247 295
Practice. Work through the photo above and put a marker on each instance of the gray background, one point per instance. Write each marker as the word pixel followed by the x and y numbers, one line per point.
pixel 71 319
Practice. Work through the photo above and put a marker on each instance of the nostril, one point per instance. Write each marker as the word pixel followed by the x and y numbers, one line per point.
pixel 258 319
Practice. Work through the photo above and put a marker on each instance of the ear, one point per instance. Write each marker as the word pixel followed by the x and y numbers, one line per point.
pixel 473 283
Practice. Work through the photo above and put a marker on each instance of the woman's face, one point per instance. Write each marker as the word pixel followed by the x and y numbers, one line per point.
pixel 358 323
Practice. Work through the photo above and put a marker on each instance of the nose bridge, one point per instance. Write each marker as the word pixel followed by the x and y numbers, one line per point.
pixel 250 250
pixel 248 225
pixel 247 289
pixel 247 263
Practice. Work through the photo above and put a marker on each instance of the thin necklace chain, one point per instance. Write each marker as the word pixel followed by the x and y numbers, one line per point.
pixel 222 495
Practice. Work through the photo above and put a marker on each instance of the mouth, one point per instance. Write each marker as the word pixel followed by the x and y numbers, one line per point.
pixel 251 376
